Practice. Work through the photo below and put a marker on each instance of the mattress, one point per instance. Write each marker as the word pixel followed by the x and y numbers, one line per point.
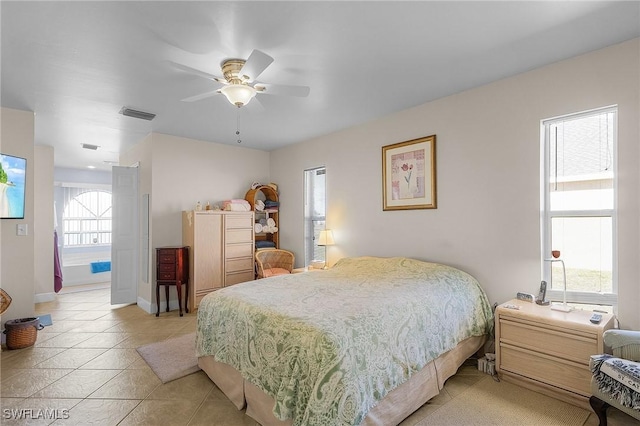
pixel 327 347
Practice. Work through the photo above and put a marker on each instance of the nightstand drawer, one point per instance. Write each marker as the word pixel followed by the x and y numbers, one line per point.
pixel 573 347
pixel 567 375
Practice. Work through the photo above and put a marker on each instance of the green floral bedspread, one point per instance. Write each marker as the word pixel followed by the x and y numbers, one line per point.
pixel 328 345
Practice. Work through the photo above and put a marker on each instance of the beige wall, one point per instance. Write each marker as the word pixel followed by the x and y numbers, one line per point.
pixel 178 172
pixel 17 252
pixel 43 223
pixel 488 173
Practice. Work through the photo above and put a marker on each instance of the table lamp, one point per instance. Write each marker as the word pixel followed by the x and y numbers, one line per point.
pixel 326 239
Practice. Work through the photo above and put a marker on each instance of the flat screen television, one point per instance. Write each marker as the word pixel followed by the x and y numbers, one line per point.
pixel 13 172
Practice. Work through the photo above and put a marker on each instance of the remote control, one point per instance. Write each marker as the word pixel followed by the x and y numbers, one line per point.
pixel 595 318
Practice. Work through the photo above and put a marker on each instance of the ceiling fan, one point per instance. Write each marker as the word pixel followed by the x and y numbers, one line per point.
pixel 239 83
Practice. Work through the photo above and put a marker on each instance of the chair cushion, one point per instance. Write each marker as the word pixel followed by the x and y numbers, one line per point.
pixel 272 272
pixel 619 378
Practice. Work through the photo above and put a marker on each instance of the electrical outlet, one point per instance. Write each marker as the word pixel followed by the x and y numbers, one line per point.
pixel 22 229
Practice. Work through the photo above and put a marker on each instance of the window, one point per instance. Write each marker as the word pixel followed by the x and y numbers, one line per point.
pixel 314 214
pixel 87 218
pixel 578 197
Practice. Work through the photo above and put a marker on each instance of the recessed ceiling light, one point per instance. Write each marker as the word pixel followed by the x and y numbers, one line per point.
pixel 91 167
pixel 137 114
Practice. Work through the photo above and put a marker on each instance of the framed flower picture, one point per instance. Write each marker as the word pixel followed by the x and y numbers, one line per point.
pixel 409 174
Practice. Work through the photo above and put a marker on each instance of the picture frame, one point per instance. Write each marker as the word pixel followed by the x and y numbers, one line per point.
pixel 409 174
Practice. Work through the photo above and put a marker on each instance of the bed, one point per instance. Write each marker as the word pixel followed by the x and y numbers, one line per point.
pixel 367 342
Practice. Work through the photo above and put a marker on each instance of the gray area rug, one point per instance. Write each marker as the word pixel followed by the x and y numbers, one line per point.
pixel 172 358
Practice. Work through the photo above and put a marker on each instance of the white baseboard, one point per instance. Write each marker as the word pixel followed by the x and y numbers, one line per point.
pixel 44 297
pixel 145 305
pixel 151 308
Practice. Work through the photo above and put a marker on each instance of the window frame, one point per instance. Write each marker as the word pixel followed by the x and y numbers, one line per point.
pixel 309 240
pixel 81 222
pixel 547 215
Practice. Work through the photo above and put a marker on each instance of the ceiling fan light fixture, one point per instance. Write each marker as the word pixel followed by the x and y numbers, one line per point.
pixel 238 94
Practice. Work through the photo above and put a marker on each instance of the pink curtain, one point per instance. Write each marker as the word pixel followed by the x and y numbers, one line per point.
pixel 57 268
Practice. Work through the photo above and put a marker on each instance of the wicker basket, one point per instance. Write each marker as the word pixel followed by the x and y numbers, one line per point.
pixel 22 333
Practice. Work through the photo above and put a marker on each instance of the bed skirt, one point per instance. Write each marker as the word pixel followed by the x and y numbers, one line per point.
pixel 391 410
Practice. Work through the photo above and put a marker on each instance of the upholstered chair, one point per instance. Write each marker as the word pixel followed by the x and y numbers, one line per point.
pixel 616 378
pixel 273 262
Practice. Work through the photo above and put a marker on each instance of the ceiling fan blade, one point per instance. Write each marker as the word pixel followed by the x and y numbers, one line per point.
pixel 256 63
pixel 283 90
pixel 198 72
pixel 255 105
pixel 200 96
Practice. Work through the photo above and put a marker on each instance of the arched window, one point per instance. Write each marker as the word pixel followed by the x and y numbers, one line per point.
pixel 87 219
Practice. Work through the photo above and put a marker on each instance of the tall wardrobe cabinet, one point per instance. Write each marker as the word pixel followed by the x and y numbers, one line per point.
pixel 221 250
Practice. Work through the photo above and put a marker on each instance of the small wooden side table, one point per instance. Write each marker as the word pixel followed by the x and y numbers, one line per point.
pixel 172 268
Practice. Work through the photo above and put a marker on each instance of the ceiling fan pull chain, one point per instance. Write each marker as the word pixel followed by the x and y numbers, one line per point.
pixel 238 126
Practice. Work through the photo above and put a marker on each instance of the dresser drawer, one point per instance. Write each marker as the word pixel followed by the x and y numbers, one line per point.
pixel 167 257
pixel 167 252
pixel 532 336
pixel 239 277
pixel 242 264
pixel 234 236
pixel 563 374
pixel 198 298
pixel 239 221
pixel 167 267
pixel 166 276
pixel 239 250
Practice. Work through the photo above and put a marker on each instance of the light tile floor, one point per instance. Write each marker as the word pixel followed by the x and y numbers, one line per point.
pixel 85 369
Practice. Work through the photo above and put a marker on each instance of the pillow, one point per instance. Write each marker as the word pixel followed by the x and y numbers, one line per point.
pixel 272 272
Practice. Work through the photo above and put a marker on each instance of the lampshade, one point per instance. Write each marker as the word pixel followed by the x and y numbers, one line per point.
pixel 326 238
pixel 238 94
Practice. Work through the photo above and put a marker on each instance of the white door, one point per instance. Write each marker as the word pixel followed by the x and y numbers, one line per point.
pixel 124 235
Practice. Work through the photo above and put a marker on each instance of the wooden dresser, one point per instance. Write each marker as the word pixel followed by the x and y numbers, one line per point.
pixel 548 351
pixel 222 250
pixel 172 268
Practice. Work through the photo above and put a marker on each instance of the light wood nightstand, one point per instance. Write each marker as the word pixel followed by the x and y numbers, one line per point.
pixel 548 351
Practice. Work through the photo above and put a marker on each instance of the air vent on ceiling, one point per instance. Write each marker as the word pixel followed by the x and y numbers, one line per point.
pixel 89 146
pixel 137 114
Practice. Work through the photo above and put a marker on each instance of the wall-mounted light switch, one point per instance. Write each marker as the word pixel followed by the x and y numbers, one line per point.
pixel 22 229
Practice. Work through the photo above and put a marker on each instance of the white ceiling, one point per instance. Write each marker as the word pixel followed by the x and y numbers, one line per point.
pixel 77 63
